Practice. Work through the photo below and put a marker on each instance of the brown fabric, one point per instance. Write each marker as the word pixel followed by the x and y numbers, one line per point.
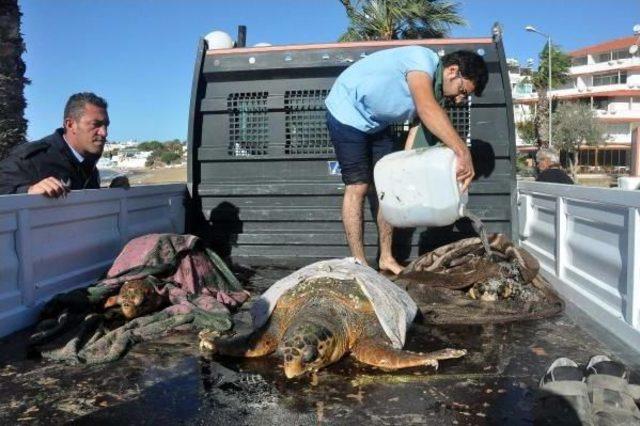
pixel 439 282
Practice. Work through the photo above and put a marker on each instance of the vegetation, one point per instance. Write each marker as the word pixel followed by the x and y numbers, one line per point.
pixel 400 19
pixel 523 166
pixel 150 146
pixel 162 152
pixel 13 125
pixel 527 130
pixel 575 124
pixel 560 63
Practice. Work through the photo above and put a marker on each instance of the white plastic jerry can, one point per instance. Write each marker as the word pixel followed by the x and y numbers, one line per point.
pixel 419 188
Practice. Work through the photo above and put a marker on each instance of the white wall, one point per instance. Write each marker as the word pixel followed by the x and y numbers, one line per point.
pixel 48 246
pixel 588 243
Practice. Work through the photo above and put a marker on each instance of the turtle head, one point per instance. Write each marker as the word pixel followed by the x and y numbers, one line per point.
pixel 307 347
pixel 137 298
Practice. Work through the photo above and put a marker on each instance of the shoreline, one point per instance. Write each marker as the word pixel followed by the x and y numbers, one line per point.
pixel 146 176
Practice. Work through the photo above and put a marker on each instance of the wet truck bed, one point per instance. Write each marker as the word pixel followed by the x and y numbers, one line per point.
pixel 168 381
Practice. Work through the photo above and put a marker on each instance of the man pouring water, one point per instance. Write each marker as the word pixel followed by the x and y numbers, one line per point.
pixel 388 87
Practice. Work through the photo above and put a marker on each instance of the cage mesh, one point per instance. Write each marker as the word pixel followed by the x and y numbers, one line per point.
pixel 460 116
pixel 248 124
pixel 305 123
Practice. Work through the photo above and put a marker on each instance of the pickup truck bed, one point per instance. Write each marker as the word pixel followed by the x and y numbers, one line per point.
pixel 168 381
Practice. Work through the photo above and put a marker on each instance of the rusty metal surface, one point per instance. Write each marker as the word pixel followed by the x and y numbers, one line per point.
pixel 168 381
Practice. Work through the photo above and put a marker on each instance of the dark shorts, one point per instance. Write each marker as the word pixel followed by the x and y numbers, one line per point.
pixel 357 151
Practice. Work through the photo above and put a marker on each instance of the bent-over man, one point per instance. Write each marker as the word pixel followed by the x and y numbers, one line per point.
pixel 388 87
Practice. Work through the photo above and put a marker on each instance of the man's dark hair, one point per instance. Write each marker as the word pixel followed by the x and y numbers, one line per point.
pixel 471 66
pixel 75 105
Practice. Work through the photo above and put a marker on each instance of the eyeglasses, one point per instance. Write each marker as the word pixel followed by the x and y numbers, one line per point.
pixel 462 90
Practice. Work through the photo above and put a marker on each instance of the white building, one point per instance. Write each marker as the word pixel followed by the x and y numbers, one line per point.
pixel 607 76
pixel 132 160
pixel 521 87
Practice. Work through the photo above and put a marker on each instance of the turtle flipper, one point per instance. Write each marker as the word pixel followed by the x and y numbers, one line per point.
pixel 255 344
pixel 383 355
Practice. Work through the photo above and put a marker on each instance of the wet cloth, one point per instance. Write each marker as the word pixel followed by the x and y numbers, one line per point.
pixel 198 275
pixel 424 138
pixel 446 283
pixel 200 287
pixel 393 306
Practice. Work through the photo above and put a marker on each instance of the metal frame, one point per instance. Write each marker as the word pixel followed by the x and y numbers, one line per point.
pixel 588 243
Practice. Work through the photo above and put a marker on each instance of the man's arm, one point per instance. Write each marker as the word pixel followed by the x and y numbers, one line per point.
pixel 17 177
pixel 49 187
pixel 14 177
pixel 438 123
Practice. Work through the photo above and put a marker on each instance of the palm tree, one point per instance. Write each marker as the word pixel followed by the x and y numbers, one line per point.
pixel 400 19
pixel 13 125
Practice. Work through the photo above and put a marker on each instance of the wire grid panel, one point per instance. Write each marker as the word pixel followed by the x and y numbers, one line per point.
pixel 248 124
pixel 305 122
pixel 460 116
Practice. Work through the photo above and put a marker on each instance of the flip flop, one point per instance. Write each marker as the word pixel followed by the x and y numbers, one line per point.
pixel 563 397
pixel 612 397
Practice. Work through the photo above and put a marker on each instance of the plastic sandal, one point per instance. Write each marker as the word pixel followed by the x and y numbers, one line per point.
pixel 610 393
pixel 563 397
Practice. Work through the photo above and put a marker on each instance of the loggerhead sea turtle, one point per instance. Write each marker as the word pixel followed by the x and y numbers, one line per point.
pixel 317 322
pixel 137 298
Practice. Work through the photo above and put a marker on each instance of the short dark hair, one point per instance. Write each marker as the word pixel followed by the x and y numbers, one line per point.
pixel 471 66
pixel 75 105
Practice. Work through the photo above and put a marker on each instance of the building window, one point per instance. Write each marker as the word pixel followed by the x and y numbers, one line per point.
pixel 612 78
pixel 580 60
pixel 620 54
pixel 603 57
pixel 523 88
pixel 617 129
pixel 600 103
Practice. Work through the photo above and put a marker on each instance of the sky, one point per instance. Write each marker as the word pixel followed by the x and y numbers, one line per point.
pixel 139 54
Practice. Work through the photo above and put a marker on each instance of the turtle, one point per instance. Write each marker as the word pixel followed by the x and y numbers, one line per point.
pixel 315 324
pixel 137 298
pixel 492 290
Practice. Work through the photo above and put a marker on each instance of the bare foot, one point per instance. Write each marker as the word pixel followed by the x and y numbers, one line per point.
pixel 363 262
pixel 390 265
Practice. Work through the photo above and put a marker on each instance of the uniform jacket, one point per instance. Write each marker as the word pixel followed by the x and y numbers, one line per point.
pixel 29 163
pixel 554 175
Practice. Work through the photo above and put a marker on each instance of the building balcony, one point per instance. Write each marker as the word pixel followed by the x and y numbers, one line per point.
pixel 618 115
pixel 631 88
pixel 601 67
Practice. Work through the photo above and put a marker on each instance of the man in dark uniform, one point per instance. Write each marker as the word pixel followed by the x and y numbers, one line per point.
pixel 64 160
pixel 549 169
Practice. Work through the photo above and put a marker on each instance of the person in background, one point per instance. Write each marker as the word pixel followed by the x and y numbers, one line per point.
pixel 549 169
pixel 388 87
pixel 64 160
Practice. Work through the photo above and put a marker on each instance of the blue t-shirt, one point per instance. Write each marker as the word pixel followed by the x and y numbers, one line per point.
pixel 373 93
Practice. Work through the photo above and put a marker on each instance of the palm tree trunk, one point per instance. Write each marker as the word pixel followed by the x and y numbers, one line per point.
pixel 13 125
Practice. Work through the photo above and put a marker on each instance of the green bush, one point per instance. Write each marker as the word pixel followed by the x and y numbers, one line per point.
pixel 169 157
pixel 150 146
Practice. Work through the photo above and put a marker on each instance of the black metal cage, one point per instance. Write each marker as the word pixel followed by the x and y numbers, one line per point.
pixel 262 174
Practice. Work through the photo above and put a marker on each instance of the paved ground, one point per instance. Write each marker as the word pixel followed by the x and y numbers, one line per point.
pixel 168 381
